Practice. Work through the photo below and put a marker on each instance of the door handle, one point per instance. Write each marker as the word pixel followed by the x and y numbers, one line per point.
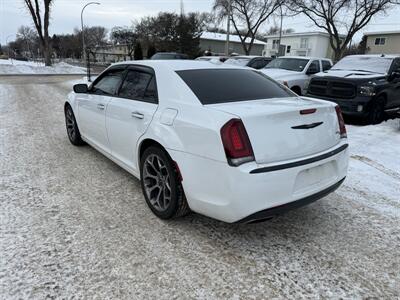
pixel 137 115
pixel 100 106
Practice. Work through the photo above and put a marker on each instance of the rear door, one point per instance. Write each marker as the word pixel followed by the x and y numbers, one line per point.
pixel 92 107
pixel 130 113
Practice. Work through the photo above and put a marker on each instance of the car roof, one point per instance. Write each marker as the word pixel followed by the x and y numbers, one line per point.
pixel 247 56
pixel 304 57
pixel 177 65
pixel 376 55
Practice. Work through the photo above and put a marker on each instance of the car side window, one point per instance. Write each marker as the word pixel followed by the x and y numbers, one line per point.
pixel 326 65
pixel 109 83
pixel 139 85
pixel 314 66
pixel 396 65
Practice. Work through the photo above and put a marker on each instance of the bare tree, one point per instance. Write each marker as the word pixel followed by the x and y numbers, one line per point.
pixel 247 16
pixel 41 25
pixel 124 36
pixel 334 15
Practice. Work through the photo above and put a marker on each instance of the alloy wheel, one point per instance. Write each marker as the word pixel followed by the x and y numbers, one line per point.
pixel 157 183
pixel 70 121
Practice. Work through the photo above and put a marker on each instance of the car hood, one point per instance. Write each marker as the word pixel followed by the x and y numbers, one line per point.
pixel 279 73
pixel 350 74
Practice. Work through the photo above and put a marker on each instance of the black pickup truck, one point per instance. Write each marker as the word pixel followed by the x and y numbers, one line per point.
pixel 362 85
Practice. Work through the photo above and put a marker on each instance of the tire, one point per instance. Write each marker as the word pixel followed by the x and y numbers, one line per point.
pixel 161 185
pixel 297 90
pixel 73 133
pixel 377 111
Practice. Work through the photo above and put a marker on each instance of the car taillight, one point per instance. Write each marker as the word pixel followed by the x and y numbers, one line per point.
pixel 342 126
pixel 236 143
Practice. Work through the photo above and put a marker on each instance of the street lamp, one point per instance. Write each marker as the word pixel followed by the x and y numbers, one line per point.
pixel 83 34
pixel 8 46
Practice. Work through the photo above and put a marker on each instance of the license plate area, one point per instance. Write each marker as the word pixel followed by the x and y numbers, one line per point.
pixel 315 178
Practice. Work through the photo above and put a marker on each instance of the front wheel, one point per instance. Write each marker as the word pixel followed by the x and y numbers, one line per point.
pixel 161 184
pixel 377 111
pixel 74 135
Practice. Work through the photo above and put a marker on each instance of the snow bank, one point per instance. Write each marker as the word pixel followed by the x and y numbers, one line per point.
pixel 10 67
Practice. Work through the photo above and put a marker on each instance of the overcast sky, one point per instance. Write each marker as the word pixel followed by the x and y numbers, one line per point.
pixel 66 15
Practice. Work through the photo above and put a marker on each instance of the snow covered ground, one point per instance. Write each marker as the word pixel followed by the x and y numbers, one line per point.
pixel 8 67
pixel 374 169
pixel 75 225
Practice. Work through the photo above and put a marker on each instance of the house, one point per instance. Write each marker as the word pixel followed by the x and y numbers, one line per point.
pixel 215 43
pixel 112 53
pixel 314 44
pixel 383 42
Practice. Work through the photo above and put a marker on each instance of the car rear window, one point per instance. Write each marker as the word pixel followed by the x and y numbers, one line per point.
pixel 212 86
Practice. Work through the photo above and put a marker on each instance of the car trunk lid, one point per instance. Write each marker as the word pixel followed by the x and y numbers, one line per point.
pixel 286 128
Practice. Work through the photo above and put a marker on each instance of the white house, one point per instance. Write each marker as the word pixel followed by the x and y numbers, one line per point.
pixel 314 44
pixel 215 43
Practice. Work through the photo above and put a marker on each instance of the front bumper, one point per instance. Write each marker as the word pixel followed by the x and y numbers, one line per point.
pixel 231 194
pixel 350 106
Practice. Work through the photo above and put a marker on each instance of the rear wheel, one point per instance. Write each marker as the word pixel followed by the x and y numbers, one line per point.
pixel 72 127
pixel 377 111
pixel 161 184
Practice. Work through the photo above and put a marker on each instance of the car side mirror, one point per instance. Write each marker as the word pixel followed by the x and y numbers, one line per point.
pixel 81 88
pixel 312 71
pixel 394 75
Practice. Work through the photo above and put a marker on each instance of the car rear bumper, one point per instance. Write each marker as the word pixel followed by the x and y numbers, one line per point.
pixel 233 194
pixel 278 210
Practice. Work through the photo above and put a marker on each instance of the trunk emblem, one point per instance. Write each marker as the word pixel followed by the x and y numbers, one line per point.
pixel 308 126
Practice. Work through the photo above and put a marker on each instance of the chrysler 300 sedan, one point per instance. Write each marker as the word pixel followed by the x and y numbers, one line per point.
pixel 223 141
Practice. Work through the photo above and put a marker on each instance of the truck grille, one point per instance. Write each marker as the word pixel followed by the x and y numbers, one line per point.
pixel 332 88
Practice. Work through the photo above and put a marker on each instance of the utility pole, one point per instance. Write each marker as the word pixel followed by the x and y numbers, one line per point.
pixel 228 27
pixel 280 33
pixel 83 32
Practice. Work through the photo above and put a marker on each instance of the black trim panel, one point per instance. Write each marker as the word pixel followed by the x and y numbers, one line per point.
pixel 300 162
pixel 278 210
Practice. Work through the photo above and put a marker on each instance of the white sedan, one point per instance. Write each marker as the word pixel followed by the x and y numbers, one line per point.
pixel 226 142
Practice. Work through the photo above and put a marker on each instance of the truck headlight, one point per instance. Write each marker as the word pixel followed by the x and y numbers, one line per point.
pixel 367 90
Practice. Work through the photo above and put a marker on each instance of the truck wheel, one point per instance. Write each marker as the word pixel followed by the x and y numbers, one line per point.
pixel 377 111
pixel 297 90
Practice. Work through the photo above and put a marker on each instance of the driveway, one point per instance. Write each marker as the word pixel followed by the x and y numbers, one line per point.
pixel 75 225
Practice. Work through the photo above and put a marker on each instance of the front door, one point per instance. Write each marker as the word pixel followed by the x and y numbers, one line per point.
pixel 394 94
pixel 92 108
pixel 130 113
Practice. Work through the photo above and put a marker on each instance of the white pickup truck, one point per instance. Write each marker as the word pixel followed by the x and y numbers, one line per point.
pixel 296 71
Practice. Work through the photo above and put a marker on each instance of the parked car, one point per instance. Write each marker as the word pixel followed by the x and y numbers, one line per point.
pixel 169 55
pixel 363 85
pixel 214 59
pixel 255 62
pixel 229 143
pixel 296 71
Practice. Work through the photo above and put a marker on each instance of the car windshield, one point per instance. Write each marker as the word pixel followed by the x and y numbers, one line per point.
pixel 364 63
pixel 212 86
pixel 292 64
pixel 238 61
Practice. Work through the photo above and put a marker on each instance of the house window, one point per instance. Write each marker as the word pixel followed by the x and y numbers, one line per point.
pixel 304 43
pixel 275 44
pixel 288 49
pixel 380 41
